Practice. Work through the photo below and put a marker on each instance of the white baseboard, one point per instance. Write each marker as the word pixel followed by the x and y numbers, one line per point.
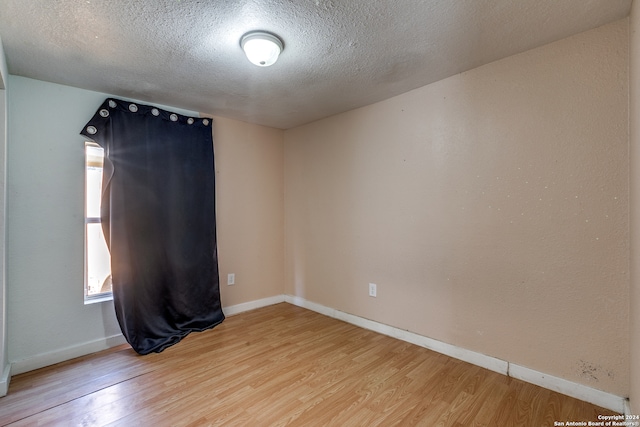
pixel 252 305
pixel 5 379
pixel 61 355
pixel 472 357
pixel 57 356
pixel 579 391
pixel 627 407
pixel 560 385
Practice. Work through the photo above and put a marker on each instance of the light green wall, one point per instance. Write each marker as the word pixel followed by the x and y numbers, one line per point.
pixel 46 316
pixel 45 311
pixel 4 362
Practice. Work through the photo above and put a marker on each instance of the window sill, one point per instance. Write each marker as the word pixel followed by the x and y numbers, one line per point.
pixel 98 298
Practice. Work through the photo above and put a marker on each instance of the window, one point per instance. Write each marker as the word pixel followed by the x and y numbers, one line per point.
pixel 97 262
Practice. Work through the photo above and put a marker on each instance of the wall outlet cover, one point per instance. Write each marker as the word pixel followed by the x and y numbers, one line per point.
pixel 373 291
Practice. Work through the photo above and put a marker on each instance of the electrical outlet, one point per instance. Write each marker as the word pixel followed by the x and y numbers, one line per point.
pixel 231 279
pixel 373 291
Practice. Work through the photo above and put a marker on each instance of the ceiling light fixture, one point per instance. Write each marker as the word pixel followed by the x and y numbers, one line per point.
pixel 261 48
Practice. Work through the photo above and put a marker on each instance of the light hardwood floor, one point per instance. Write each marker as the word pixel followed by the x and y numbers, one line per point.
pixel 276 366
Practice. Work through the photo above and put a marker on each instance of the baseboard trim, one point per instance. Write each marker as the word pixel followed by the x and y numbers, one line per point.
pixel 579 391
pixel 61 355
pixel 5 380
pixel 252 305
pixel 57 356
pixel 627 407
pixel 560 385
pixel 469 356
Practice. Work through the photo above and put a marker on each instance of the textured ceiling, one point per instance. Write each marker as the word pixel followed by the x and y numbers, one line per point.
pixel 339 54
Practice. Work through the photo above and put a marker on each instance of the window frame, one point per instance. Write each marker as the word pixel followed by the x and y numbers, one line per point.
pixel 102 296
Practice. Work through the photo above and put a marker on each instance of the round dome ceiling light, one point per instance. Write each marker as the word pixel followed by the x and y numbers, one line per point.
pixel 261 48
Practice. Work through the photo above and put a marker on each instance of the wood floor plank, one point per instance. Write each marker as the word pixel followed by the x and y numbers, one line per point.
pixel 281 366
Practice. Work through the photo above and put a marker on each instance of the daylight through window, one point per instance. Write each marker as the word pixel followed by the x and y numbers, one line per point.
pixel 97 260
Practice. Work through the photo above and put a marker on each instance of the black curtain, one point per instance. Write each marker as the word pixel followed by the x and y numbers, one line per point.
pixel 158 215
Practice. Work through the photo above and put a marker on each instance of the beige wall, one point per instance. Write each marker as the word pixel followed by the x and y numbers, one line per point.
pixel 634 142
pixel 490 208
pixel 250 209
